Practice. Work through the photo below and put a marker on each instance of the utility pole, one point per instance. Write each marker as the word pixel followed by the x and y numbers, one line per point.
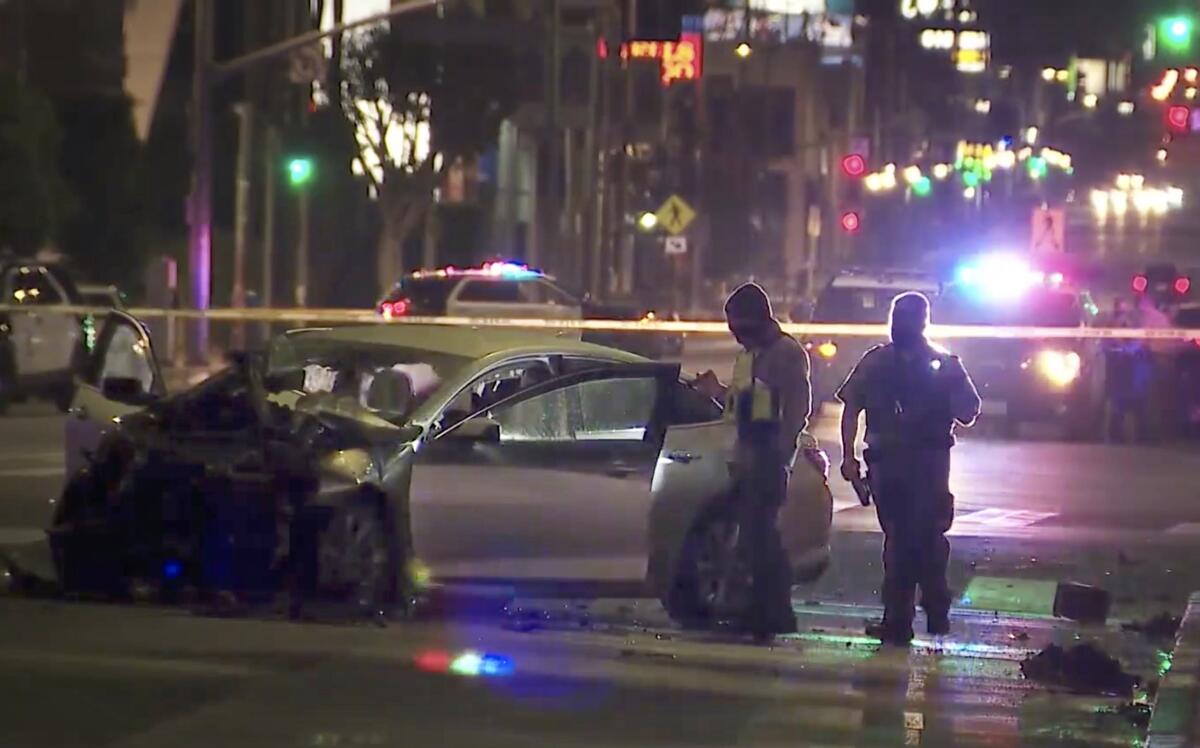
pixel 301 298
pixel 549 240
pixel 200 201
pixel 241 223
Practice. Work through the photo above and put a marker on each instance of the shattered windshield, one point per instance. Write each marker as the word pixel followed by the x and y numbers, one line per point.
pixel 357 378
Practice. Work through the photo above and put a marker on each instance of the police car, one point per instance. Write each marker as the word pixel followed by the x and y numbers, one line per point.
pixel 1022 380
pixel 855 297
pixel 513 290
pixel 39 345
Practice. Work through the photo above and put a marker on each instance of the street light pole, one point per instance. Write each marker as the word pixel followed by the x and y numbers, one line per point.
pixel 200 200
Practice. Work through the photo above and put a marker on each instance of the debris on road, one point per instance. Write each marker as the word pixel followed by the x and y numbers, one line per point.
pixel 1162 626
pixel 1083 668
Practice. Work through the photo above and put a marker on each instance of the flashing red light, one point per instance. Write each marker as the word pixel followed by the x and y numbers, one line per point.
pixel 854 165
pixel 1178 117
pixel 1183 285
pixel 1140 283
pixel 433 661
pixel 851 222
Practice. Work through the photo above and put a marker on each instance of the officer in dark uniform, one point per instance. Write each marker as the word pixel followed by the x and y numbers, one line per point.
pixel 769 398
pixel 913 394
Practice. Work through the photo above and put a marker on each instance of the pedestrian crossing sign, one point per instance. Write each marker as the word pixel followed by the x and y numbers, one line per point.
pixel 675 215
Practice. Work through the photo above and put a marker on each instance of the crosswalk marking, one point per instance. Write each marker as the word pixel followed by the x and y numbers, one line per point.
pixel 1003 517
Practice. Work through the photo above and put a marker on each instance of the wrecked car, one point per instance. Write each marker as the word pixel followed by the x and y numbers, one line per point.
pixel 376 464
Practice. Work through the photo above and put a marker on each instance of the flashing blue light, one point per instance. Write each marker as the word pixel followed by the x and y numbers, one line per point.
pixel 495 665
pixel 172 570
pixel 999 276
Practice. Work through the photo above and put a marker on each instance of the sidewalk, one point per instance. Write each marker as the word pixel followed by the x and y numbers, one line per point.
pixel 1176 719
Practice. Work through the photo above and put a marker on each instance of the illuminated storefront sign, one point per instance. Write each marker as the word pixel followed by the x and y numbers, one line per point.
pixel 678 61
pixel 968 48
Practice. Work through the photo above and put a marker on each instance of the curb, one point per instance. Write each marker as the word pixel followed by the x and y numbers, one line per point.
pixel 1175 721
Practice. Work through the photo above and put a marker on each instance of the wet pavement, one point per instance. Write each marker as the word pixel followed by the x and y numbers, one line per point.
pixel 1030 514
pixel 95 675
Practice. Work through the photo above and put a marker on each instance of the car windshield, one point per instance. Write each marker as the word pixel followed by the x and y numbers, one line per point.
pixel 1035 309
pixel 348 376
pixel 855 305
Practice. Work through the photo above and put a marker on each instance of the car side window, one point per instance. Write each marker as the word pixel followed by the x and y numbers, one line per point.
pixel 690 406
pixel 490 292
pixel 619 409
pixel 542 418
pixel 615 409
pixel 545 292
pixel 495 385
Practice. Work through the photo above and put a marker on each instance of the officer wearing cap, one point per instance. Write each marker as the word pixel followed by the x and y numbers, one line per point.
pixel 913 394
pixel 769 397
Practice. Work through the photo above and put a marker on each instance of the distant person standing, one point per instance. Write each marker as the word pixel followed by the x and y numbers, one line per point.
pixel 913 395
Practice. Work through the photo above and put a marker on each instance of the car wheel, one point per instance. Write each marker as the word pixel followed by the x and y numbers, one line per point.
pixel 712 581
pixel 354 558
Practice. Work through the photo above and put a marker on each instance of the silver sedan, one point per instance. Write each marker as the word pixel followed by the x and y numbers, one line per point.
pixel 442 457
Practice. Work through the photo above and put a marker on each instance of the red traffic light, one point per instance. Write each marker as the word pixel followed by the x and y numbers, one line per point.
pixel 1183 285
pixel 851 222
pixel 1140 283
pixel 1179 117
pixel 854 165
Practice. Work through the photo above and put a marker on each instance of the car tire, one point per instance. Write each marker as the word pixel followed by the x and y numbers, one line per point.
pixel 711 583
pixel 354 557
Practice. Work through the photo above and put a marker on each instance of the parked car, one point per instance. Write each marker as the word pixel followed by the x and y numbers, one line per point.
pixel 40 346
pixel 512 290
pixel 370 461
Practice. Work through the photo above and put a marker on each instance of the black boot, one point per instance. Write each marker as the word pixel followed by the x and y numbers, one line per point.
pixel 888 633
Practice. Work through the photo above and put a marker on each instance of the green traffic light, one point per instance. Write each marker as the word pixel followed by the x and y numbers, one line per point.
pixel 922 187
pixel 300 170
pixel 1175 33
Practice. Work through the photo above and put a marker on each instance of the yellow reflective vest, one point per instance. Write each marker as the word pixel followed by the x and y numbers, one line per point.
pixel 744 389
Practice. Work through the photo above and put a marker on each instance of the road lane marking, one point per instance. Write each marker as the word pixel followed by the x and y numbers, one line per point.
pixel 33 472
pixel 84 662
pixel 1185 528
pixel 1003 517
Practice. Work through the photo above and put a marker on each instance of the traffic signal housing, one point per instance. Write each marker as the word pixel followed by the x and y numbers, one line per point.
pixel 1175 33
pixel 1179 118
pixel 300 170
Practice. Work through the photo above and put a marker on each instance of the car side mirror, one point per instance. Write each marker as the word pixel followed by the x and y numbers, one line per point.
pixel 124 390
pixel 482 430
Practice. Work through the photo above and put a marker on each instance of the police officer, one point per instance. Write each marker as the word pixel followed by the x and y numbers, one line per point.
pixel 913 395
pixel 770 398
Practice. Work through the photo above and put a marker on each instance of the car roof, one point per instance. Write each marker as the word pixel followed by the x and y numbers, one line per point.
pixel 468 342
pixel 898 279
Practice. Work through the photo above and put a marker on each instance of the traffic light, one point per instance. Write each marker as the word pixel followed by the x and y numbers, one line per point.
pixel 922 187
pixel 851 222
pixel 300 170
pixel 1178 118
pixel 854 165
pixel 1175 33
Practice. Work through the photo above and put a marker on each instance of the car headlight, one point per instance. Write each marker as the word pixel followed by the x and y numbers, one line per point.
pixel 827 349
pixel 1060 367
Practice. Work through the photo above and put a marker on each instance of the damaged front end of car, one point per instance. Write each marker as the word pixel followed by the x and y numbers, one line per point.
pixel 291 500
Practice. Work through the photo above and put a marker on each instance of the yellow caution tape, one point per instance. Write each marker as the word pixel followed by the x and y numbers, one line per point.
pixel 309 317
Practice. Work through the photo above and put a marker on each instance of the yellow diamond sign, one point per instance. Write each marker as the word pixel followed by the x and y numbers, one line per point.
pixel 675 215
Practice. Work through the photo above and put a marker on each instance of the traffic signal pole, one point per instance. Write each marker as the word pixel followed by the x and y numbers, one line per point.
pixel 200 200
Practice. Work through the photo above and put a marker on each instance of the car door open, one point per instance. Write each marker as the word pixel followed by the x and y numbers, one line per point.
pixel 120 377
pixel 548 487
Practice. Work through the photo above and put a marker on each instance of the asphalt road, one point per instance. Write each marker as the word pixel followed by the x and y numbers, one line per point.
pixel 1029 514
